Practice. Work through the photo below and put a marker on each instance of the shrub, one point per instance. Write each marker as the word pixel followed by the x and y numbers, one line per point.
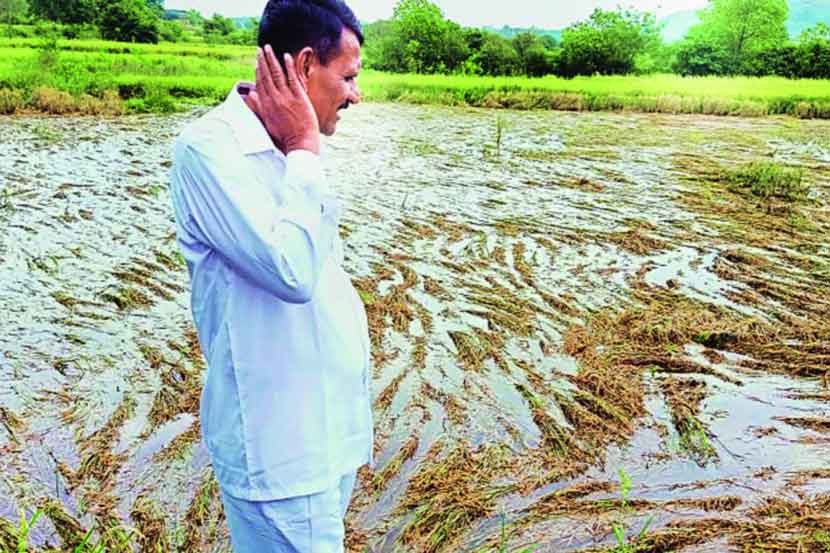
pixel 109 104
pixel 53 101
pixel 171 31
pixel 700 58
pixel 154 100
pixel 48 50
pixel 767 179
pixel 130 21
pixel 10 101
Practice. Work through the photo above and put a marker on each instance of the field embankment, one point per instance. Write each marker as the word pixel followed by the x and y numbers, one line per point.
pixel 100 77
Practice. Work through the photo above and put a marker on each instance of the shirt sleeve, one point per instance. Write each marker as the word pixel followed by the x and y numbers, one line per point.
pixel 280 247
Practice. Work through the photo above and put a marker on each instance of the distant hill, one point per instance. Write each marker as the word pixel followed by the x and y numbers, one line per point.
pixel 243 22
pixel 174 14
pixel 239 22
pixel 510 32
pixel 678 24
pixel 803 15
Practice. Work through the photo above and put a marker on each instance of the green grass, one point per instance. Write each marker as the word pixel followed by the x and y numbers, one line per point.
pixel 167 76
pixel 657 93
pixel 767 179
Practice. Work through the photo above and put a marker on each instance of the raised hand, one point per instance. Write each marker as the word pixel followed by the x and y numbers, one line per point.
pixel 282 104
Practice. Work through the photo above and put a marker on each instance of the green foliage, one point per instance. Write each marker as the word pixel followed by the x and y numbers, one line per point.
pixel 48 50
pixel 130 21
pixel 24 529
pixel 171 31
pixel 420 40
pixel 157 6
pixel 740 28
pixel 813 53
pixel 734 37
pixel 497 56
pixel 699 58
pixel 167 75
pixel 65 11
pixel 619 528
pixel 218 25
pixel 607 43
pixel 767 180
pixel 657 59
pixel 535 57
pixel 12 11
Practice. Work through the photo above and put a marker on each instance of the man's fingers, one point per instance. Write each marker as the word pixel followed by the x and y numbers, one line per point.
pixel 252 99
pixel 264 79
pixel 275 69
pixel 290 71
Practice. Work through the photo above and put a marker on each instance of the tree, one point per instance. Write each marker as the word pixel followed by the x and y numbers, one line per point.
pixel 12 10
pixel 218 25
pixel 700 58
pixel 422 41
pixel 374 50
pixel 171 31
pixel 497 56
pixel 534 57
pixel 157 6
pixel 608 42
pixel 65 11
pixel 813 52
pixel 194 18
pixel 130 21
pixel 741 28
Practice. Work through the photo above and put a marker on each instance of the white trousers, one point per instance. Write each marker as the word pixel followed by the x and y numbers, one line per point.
pixel 305 524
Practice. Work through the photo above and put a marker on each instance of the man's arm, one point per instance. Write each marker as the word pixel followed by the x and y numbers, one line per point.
pixel 280 248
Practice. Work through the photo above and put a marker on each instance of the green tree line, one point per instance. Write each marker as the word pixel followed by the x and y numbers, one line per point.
pixel 122 20
pixel 733 37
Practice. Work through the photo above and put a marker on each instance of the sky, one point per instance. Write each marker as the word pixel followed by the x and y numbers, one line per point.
pixel 544 14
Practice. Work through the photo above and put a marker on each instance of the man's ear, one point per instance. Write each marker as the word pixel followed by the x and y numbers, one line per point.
pixel 305 62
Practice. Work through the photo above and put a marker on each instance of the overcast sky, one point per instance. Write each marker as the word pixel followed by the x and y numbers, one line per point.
pixel 548 14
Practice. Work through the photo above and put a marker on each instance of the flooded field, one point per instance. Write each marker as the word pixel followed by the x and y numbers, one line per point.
pixel 581 326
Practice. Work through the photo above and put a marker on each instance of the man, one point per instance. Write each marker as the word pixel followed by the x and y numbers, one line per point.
pixel 285 410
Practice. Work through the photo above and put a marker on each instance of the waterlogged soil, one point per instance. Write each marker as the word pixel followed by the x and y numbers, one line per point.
pixel 578 323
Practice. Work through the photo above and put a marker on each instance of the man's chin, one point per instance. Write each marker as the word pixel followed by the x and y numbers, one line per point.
pixel 328 130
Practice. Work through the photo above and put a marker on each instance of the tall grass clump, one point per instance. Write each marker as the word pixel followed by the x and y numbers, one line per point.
pixel 769 180
pixel 11 101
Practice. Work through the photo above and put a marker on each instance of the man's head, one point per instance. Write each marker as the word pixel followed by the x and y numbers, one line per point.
pixel 325 37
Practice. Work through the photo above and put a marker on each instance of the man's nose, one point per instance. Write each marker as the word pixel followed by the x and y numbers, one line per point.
pixel 355 96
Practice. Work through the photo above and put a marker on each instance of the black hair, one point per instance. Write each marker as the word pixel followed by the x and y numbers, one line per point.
pixel 291 25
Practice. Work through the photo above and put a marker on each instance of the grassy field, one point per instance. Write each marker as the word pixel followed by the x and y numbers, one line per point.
pixel 110 77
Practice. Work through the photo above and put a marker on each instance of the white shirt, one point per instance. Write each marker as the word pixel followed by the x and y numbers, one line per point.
pixel 285 408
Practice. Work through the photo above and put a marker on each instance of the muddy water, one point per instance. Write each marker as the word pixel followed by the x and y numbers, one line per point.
pixel 463 240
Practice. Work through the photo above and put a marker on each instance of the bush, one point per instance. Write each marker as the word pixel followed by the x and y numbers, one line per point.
pixel 698 59
pixel 767 179
pixel 171 31
pixel 130 21
pixel 18 31
pixel 86 31
pixel 109 104
pixel 56 102
pixel 153 100
pixel 607 43
pixel 10 101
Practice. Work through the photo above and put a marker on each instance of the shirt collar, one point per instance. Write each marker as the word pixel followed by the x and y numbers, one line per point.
pixel 247 128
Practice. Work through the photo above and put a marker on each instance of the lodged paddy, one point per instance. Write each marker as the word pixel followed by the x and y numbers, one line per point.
pixel 579 321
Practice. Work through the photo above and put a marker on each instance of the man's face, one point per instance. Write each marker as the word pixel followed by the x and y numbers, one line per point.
pixel 333 86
